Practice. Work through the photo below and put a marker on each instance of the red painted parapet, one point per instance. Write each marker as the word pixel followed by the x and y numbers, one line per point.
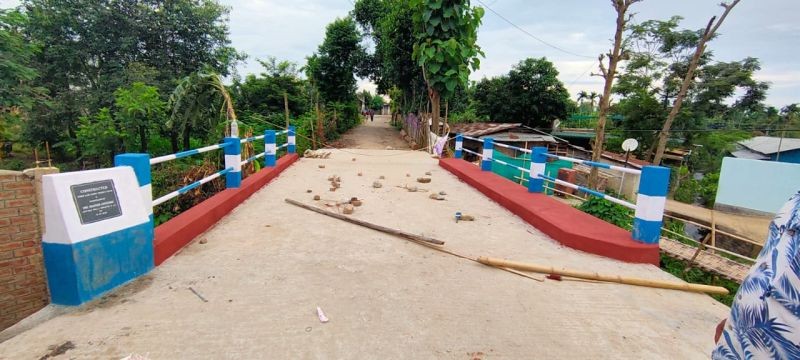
pixel 174 234
pixel 560 221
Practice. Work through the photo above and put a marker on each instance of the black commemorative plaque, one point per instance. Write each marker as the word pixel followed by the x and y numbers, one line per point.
pixel 96 201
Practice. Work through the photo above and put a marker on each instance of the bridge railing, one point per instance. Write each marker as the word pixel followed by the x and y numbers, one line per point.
pixel 650 201
pixel 232 171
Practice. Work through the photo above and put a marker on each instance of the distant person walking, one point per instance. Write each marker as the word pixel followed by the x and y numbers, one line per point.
pixel 765 315
pixel 371 115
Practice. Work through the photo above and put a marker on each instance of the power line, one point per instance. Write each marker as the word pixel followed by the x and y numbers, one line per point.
pixel 531 35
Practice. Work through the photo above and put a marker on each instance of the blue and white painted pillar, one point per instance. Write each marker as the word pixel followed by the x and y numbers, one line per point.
pixel 233 159
pixel 538 165
pixel 141 167
pixel 488 150
pixel 98 234
pixel 291 140
pixel 459 145
pixel 650 203
pixel 270 149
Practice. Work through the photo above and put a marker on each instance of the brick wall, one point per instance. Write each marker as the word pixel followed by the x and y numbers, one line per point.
pixel 23 288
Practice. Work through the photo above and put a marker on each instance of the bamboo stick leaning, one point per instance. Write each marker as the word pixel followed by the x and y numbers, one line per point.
pixel 601 277
pixel 372 226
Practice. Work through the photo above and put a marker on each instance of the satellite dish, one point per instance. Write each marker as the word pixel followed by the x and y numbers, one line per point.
pixel 630 144
pixel 556 124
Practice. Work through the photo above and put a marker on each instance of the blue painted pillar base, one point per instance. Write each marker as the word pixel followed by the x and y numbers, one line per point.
pixel 291 140
pixel 233 159
pixel 650 203
pixel 488 153
pixel 538 166
pixel 459 146
pixel 80 272
pixel 270 148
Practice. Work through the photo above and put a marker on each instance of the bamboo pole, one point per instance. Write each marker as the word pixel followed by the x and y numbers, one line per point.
pixel 600 277
pixel 400 233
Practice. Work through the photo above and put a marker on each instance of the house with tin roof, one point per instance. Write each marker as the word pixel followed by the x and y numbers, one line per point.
pixel 769 148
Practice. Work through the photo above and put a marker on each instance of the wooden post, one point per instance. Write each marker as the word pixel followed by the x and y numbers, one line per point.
pixel 286 107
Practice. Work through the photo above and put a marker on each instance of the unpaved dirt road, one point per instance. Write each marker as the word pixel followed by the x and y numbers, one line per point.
pixel 377 134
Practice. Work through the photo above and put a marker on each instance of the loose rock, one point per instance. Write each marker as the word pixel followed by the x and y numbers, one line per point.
pixel 428 173
pixel 348 209
pixel 321 166
pixel 359 174
pixel 382 177
pixel 435 196
pixel 354 159
pixel 316 197
pixel 442 193
pixel 423 180
pixel 203 241
pixel 377 184
pixel 309 191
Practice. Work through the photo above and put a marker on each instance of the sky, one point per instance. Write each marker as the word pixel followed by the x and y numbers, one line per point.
pixel 765 29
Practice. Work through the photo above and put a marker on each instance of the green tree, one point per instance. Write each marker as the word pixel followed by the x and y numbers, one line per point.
pixel 376 103
pixel 446 46
pixel 531 94
pixel 101 137
pixel 90 48
pixel 194 104
pixel 263 94
pixel 138 108
pixel 332 72
pixel 17 90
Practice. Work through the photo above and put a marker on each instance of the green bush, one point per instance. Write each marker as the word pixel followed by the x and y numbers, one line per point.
pixel 610 212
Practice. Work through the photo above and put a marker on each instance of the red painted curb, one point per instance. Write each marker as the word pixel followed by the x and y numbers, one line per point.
pixel 561 222
pixel 174 234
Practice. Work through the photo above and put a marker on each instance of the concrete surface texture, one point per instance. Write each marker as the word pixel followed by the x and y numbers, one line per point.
pixel 261 273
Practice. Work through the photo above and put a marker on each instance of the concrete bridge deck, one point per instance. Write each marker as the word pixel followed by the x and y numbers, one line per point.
pixel 265 268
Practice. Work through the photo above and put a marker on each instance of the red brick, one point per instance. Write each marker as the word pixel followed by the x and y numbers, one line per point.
pixel 25 236
pixel 5 195
pixel 30 243
pixel 15 308
pixel 19 202
pixel 4 288
pixel 26 268
pixel 26 252
pixel 5 272
pixel 11 229
pixel 5 222
pixel 18 185
pixel 5 255
pixel 5 238
pixel 24 219
pixel 26 283
pixel 28 227
pixel 11 246
pixel 24 192
pixel 8 177
pixel 14 262
pixel 5 213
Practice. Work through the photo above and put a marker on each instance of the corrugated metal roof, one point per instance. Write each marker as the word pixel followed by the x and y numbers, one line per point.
pixel 749 154
pixel 769 145
pixel 510 136
pixel 481 129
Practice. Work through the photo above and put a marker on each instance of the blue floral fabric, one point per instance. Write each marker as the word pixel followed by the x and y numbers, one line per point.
pixel 765 316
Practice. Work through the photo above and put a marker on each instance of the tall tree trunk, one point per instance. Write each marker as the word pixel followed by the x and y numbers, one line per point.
pixel 173 140
pixel 435 111
pixel 621 7
pixel 142 138
pixel 711 29
pixel 186 132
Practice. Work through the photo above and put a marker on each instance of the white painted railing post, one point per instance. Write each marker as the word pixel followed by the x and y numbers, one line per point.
pixel 538 165
pixel 488 150
pixel 459 145
pixel 270 149
pixel 233 159
pixel 650 203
